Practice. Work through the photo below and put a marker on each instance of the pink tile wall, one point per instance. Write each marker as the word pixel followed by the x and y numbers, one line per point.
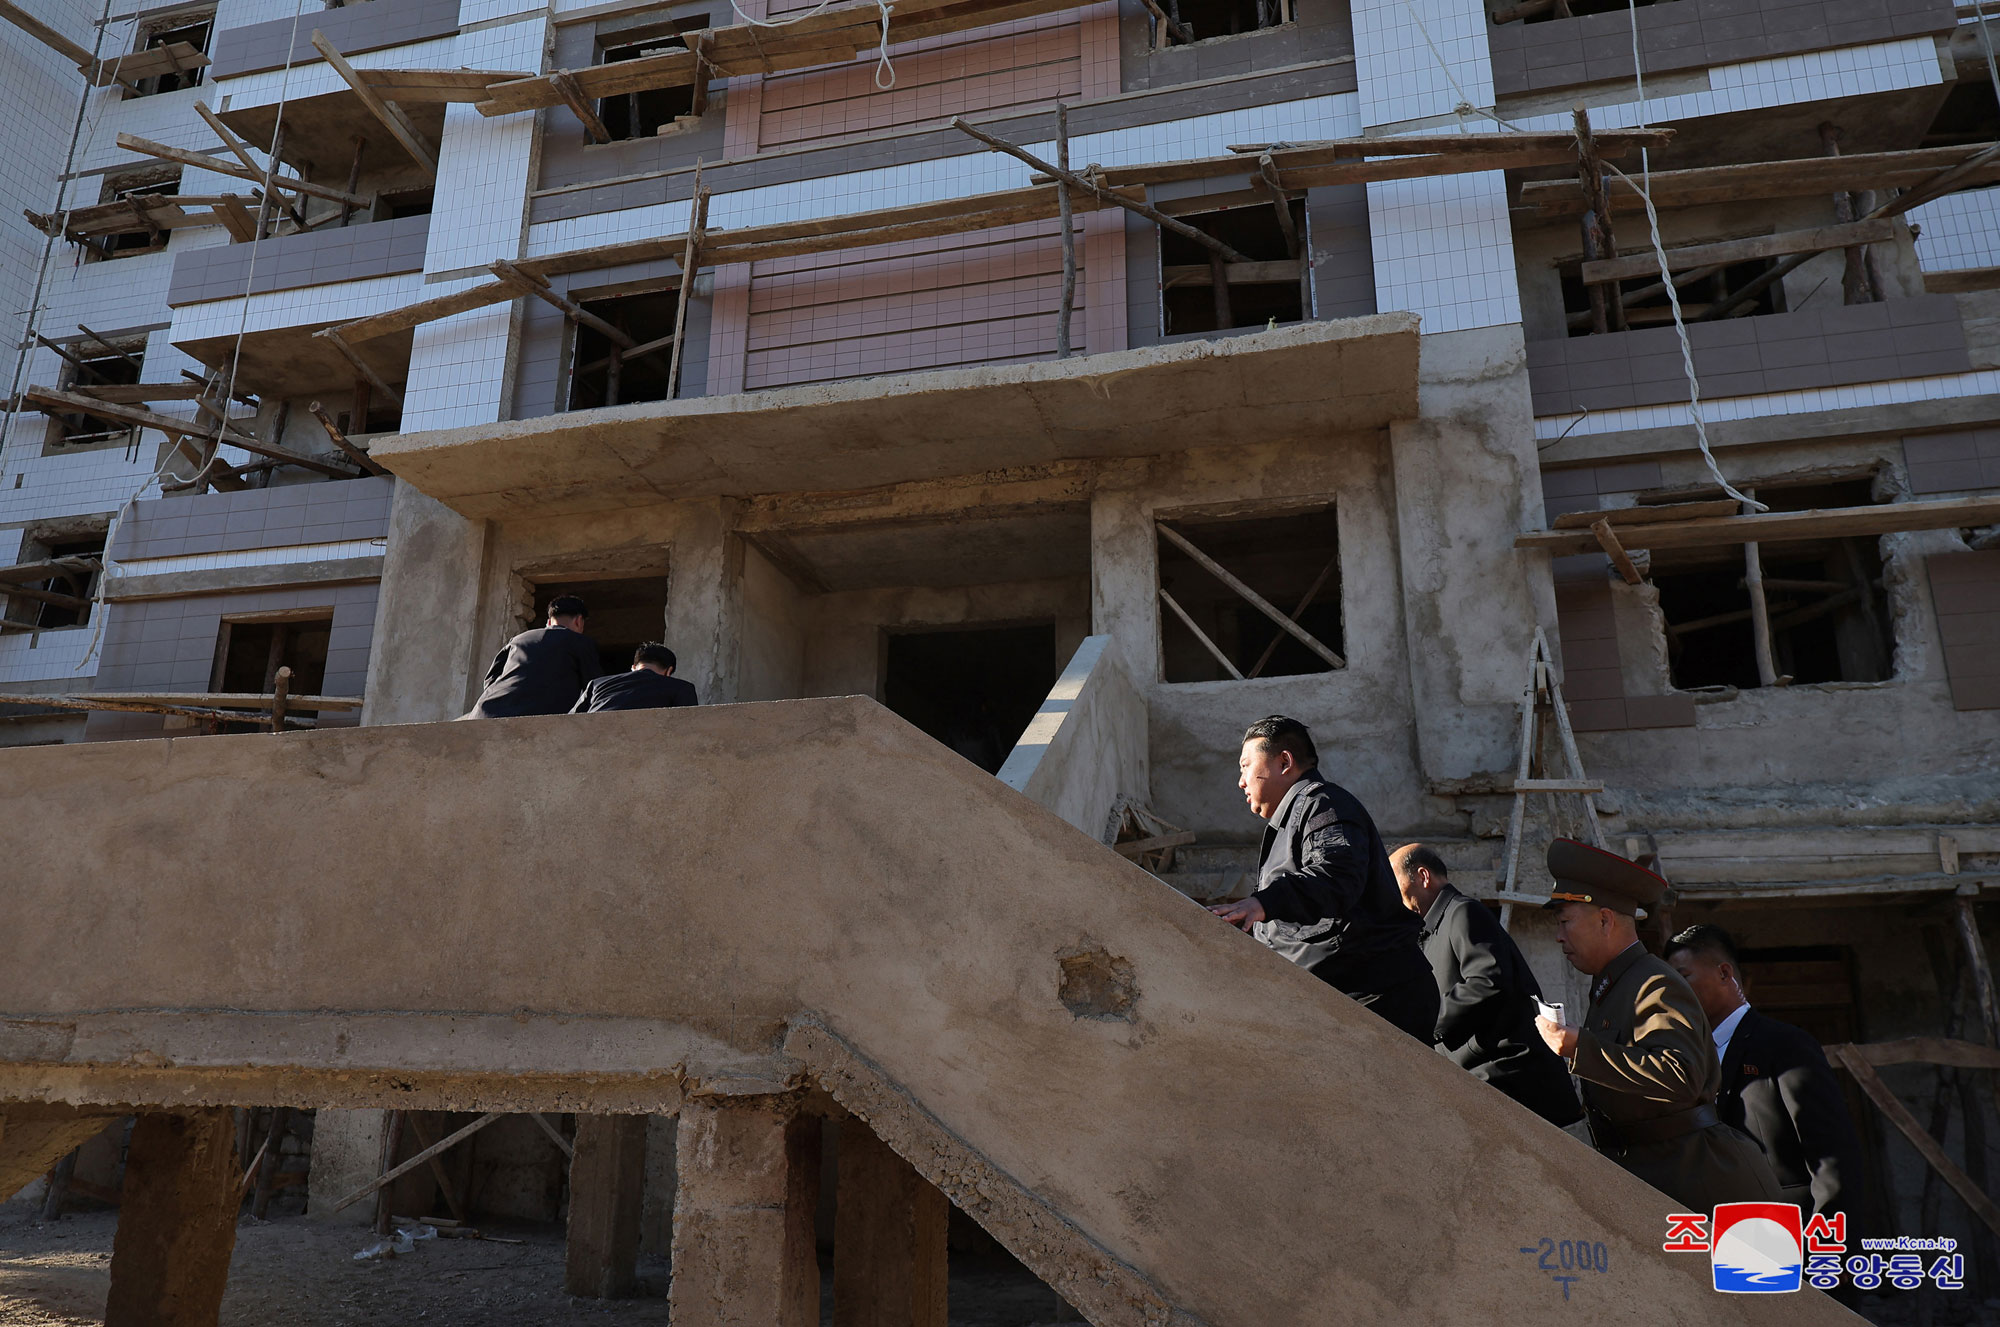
pixel 986 298
pixel 1024 63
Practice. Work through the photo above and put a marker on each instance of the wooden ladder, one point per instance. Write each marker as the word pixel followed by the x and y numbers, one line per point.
pixel 1540 698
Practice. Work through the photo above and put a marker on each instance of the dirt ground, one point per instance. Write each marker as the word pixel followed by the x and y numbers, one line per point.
pixel 303 1274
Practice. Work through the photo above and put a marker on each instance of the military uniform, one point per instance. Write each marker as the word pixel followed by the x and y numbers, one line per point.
pixel 1645 1058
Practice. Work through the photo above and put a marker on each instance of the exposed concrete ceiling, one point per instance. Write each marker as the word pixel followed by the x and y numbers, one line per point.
pixel 1304 381
pixel 291 361
pixel 321 130
pixel 1017 547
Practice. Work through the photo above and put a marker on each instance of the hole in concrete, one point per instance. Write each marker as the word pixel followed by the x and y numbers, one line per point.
pixel 1097 984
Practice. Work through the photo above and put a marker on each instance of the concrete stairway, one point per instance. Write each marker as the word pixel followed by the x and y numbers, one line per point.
pixel 735 912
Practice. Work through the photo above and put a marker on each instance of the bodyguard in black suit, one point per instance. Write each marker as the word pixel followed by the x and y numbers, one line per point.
pixel 542 671
pixel 650 685
pixel 1487 993
pixel 1776 1085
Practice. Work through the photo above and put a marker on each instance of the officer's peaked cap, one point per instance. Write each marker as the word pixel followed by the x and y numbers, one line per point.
pixel 1584 874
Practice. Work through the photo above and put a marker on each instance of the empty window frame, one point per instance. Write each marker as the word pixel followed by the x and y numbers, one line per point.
pixel 145 238
pixel 1645 298
pixel 653 111
pixel 1970 114
pixel 1290 559
pixel 61 597
pixel 178 33
pixel 1829 613
pixel 1199 292
pixel 605 373
pixel 1176 22
pixel 250 650
pixel 400 203
pixel 118 362
pixel 1542 11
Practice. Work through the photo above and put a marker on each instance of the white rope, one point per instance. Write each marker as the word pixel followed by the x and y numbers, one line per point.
pixel 1464 106
pixel 882 65
pixel 1644 188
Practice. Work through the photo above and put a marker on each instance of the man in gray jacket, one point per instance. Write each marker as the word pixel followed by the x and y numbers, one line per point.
pixel 1325 897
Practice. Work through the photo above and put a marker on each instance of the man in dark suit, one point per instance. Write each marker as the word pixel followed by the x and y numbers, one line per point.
pixel 1487 994
pixel 650 685
pixel 541 671
pixel 1776 1085
pixel 1326 898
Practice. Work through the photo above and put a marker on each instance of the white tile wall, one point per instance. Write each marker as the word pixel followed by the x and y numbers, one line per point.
pixel 458 370
pixel 249 557
pixel 1959 230
pixel 41 656
pixel 1415 59
pixel 293 308
pixel 1443 249
pixel 487 11
pixel 1898 391
pixel 485 163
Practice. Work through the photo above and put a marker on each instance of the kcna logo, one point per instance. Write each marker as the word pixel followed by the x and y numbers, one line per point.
pixel 1754 1248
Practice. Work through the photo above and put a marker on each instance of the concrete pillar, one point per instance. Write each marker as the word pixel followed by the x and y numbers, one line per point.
pixel 606 1189
pixel 346 1154
pixel 427 655
pixel 889 1260
pixel 176 1222
pixel 656 1220
pixel 743 1219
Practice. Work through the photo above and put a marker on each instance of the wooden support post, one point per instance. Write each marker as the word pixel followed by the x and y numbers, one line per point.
pixel 539 288
pixel 392 119
pixel 1760 611
pixel 743 1214
pixel 1616 551
pixel 1256 601
pixel 1085 185
pixel 1216 650
pixel 1176 29
pixel 606 1182
pixel 267 1166
pixel 176 1222
pixel 353 177
pixel 1854 287
pixel 397 1172
pixel 281 693
pixel 1982 971
pixel 203 161
pixel 1599 241
pixel 1068 224
pixel 459 1212
pixel 333 338
pixel 889 1256
pixel 1305 602
pixel 614 375
pixel 1269 182
pixel 1899 1115
pixel 241 151
pixel 690 265
pixel 1218 286
pixel 343 443
pixel 579 105
pixel 358 405
pixel 697 42
pixel 392 1142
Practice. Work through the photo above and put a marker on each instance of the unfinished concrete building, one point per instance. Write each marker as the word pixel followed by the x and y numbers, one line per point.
pixel 1080 382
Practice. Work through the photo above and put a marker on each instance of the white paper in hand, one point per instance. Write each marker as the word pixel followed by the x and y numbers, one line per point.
pixel 1552 1012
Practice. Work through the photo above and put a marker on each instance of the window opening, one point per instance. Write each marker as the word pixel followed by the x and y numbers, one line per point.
pixel 88 364
pixel 1646 296
pixel 1271 286
pixel 62 597
pixel 146 238
pixel 251 651
pixel 607 373
pixel 186 31
pixel 1542 11
pixel 404 203
pixel 625 613
pixel 652 111
pixel 1290 561
pixel 1829 612
pixel 1178 22
pixel 1970 113
pixel 973 689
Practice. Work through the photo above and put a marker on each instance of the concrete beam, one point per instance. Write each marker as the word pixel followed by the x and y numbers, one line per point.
pixel 233 580
pixel 606 1189
pixel 176 1222
pixel 1286 382
pixel 743 1216
pixel 889 1256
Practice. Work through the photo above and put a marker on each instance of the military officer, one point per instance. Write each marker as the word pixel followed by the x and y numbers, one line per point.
pixel 1643 1053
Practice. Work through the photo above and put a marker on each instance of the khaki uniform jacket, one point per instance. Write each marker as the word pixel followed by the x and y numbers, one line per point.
pixel 1650 1075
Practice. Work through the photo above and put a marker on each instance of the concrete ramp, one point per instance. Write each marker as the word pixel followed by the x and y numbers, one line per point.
pixel 610 912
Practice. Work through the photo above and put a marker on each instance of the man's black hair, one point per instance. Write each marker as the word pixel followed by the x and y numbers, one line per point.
pixel 1277 733
pixel 567 605
pixel 1418 855
pixel 1703 938
pixel 652 652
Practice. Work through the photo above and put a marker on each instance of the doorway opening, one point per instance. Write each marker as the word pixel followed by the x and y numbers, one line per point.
pixel 625 613
pixel 972 688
